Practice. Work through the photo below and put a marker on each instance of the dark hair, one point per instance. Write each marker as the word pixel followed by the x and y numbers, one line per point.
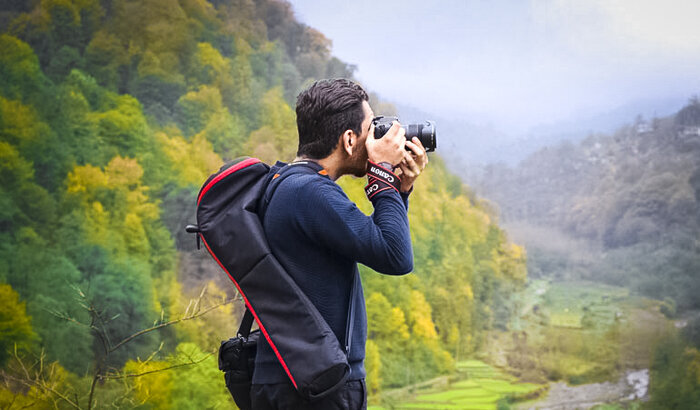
pixel 324 112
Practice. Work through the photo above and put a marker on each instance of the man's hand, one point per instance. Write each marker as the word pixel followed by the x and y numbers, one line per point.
pixel 412 164
pixel 389 148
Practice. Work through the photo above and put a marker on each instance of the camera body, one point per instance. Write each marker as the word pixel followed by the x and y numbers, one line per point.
pixel 425 131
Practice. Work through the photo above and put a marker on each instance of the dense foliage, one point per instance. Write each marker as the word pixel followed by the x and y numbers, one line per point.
pixel 112 113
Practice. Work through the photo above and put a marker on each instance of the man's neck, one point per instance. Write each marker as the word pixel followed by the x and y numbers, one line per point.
pixel 331 164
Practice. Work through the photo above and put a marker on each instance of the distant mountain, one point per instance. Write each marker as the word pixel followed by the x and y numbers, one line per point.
pixel 606 122
pixel 465 143
pixel 625 206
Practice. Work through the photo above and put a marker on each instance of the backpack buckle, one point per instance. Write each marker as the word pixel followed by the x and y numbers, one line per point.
pixel 194 229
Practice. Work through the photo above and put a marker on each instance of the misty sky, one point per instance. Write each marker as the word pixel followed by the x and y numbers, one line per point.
pixel 516 64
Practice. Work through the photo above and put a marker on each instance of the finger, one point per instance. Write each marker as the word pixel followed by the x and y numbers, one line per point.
pixel 409 175
pixel 407 156
pixel 406 171
pixel 393 130
pixel 413 165
pixel 421 154
pixel 410 166
pixel 417 141
pixel 420 149
pixel 401 135
pixel 416 149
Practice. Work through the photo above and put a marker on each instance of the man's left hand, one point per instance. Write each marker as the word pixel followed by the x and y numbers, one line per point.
pixel 412 164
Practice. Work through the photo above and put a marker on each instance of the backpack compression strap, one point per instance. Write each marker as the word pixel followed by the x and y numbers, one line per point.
pixel 247 320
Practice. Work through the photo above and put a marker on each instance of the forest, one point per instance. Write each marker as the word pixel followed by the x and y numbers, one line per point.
pixel 621 209
pixel 627 206
pixel 112 115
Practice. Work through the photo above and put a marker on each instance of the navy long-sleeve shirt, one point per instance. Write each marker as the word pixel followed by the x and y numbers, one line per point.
pixel 319 235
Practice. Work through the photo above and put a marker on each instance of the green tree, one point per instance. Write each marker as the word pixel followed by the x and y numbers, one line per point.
pixel 20 75
pixel 15 325
pixel 277 138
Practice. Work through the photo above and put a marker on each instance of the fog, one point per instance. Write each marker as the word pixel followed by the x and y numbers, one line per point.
pixel 519 67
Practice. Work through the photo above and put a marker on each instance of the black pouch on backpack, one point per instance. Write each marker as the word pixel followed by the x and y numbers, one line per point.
pixel 237 361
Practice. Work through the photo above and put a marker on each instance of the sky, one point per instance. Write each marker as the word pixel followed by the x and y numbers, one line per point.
pixel 516 64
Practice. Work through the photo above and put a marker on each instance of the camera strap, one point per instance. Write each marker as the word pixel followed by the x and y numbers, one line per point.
pixel 380 179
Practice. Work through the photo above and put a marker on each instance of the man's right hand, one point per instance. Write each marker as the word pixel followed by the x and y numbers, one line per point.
pixel 389 148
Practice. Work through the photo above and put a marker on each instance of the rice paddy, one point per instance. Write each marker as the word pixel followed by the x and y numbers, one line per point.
pixel 482 388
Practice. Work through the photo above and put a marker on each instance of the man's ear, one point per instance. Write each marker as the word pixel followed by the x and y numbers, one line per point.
pixel 349 141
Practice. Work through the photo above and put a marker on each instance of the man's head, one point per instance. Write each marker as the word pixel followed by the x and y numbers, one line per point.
pixel 332 112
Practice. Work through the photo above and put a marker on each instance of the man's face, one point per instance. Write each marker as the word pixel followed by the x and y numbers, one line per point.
pixel 358 161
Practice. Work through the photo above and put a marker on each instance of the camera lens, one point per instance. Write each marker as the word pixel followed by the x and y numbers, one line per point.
pixel 425 131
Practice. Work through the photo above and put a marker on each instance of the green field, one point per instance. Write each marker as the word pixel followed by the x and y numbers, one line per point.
pixel 481 388
pixel 572 305
pixel 578 332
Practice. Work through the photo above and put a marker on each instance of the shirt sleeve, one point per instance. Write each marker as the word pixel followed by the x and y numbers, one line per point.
pixel 381 241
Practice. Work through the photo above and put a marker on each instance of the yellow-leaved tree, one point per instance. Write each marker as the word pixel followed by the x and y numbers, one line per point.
pixel 277 138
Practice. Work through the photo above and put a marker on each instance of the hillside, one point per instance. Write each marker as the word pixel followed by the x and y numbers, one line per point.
pixel 112 113
pixel 622 209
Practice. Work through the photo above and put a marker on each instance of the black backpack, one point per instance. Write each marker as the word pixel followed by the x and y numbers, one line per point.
pixel 229 226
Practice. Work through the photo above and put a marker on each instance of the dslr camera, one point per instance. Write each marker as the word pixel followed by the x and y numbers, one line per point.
pixel 425 131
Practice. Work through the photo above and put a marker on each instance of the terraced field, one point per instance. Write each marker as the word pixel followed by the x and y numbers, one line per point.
pixel 482 388
pixel 572 304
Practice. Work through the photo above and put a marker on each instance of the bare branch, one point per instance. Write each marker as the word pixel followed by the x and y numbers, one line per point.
pixel 21 363
pixel 28 406
pixel 103 325
pixel 40 384
pixel 92 389
pixel 175 366
pixel 66 317
pixel 155 352
pixel 187 309
pixel 39 375
pixel 170 323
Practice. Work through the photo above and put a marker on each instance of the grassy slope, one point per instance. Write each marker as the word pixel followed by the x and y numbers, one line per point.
pixel 479 386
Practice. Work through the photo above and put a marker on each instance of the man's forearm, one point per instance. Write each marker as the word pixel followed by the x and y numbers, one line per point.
pixel 390 216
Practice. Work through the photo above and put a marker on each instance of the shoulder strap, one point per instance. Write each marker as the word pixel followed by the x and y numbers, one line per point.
pixel 276 179
pixel 246 324
pixel 351 313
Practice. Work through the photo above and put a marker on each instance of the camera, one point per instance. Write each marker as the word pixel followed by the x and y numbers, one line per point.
pixel 425 131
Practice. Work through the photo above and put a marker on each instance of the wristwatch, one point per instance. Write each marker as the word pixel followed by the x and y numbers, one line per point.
pixel 386 165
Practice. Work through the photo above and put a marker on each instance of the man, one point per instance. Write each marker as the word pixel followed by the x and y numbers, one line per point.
pixel 319 235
